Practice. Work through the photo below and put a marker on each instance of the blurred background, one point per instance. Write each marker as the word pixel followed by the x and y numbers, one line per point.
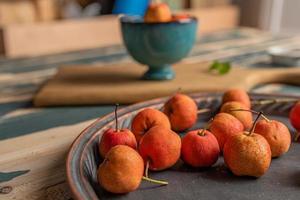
pixel 55 25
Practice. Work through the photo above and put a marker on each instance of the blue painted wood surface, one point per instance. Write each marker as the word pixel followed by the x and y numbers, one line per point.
pixel 29 73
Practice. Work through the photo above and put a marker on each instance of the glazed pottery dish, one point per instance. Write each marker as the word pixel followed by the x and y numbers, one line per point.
pixel 158 45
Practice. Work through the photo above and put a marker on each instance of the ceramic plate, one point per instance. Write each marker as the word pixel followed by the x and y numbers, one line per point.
pixel 282 181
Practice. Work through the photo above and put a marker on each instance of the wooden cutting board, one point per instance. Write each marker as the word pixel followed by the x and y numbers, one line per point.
pixel 90 84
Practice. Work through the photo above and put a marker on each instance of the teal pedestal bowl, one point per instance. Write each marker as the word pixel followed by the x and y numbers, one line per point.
pixel 158 45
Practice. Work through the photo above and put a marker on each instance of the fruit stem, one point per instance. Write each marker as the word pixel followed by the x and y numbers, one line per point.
pixel 206 126
pixel 297 136
pixel 254 124
pixel 201 132
pixel 253 111
pixel 204 110
pixel 116 117
pixel 146 178
pixel 270 101
pixel 174 93
pixel 155 181
pixel 147 168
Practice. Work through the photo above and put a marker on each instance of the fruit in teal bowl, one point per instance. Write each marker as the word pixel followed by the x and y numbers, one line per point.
pixel 158 45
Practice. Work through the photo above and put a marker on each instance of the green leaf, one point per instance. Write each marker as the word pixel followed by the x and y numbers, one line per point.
pixel 220 67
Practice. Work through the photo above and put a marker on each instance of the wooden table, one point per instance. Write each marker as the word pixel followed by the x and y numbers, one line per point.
pixel 34 141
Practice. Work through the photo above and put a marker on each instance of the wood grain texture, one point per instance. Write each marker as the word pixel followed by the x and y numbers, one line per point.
pixel 44 155
pixel 71 35
pixel 88 85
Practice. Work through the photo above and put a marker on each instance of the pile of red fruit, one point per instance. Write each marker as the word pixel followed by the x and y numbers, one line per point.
pixel 153 144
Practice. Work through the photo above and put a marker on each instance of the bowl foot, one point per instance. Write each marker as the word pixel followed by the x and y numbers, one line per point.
pixel 159 73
